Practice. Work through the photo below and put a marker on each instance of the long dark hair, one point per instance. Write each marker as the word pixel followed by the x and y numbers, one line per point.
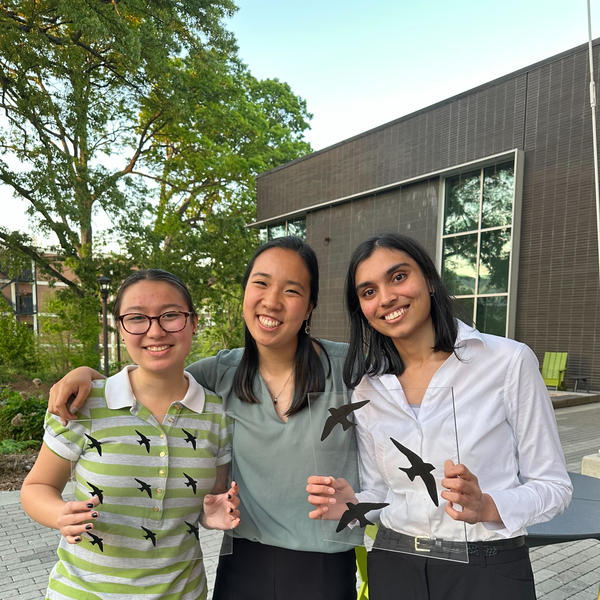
pixel 309 373
pixel 153 275
pixel 373 353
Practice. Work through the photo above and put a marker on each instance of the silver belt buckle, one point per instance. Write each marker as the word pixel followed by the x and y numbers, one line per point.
pixel 418 539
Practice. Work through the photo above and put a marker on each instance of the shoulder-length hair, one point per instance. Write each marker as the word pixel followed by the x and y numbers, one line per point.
pixel 373 353
pixel 309 374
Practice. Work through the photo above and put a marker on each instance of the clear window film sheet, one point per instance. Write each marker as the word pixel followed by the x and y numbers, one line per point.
pixel 405 511
pixel 149 477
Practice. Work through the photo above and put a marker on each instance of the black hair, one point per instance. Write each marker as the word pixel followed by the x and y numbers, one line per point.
pixel 309 374
pixel 153 275
pixel 373 353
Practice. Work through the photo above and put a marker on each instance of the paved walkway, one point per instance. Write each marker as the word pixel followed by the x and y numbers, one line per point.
pixel 563 571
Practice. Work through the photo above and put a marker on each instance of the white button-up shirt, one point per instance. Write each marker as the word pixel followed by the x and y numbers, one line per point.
pixel 505 427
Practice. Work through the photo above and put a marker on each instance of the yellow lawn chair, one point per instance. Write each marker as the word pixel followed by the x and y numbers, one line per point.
pixel 553 369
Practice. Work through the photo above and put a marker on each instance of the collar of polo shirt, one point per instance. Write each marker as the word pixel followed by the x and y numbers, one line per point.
pixel 118 392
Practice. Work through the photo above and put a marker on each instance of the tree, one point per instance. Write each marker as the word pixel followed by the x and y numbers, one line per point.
pixel 140 108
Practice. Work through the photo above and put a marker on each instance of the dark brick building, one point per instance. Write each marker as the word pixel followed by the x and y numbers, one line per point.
pixel 497 182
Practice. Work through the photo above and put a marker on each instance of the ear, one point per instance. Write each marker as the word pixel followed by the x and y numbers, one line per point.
pixel 309 311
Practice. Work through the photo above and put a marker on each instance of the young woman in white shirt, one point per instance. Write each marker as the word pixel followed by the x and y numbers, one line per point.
pixel 401 313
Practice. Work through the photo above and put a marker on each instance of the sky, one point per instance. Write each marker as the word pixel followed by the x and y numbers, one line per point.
pixel 362 64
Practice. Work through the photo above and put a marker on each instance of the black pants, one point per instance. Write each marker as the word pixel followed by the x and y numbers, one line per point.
pixel 259 572
pixel 397 576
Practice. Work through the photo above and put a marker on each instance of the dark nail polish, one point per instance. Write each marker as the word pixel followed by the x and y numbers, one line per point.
pixel 231 510
pixel 228 496
pixel 88 526
pixel 95 515
pixel 90 505
pixel 77 539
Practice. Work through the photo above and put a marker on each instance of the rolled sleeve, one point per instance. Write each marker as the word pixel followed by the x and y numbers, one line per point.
pixel 546 489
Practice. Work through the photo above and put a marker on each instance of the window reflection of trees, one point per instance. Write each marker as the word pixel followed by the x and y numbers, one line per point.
pixel 462 202
pixel 498 183
pixel 467 196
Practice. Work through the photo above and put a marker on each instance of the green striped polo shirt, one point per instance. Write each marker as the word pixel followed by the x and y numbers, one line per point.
pixel 151 476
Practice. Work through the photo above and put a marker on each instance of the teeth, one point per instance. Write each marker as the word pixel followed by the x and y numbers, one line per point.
pixel 156 348
pixel 395 314
pixel 268 322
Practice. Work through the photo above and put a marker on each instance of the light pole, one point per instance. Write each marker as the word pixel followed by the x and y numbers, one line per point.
pixel 104 287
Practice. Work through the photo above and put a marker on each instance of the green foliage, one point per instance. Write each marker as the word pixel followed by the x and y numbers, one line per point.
pixel 17 343
pixel 14 447
pixel 21 418
pixel 157 87
pixel 68 332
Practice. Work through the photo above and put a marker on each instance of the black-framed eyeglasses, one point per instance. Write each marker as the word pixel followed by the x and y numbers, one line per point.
pixel 138 324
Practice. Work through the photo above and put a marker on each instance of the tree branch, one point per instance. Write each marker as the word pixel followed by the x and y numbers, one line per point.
pixel 42 260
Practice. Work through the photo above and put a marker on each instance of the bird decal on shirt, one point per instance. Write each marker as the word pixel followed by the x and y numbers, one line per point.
pixel 94 443
pixel 143 440
pixel 96 491
pixel 419 468
pixel 190 438
pixel 340 415
pixel 358 511
pixel 145 487
pixel 190 482
pixel 192 529
pixel 150 535
pixel 96 541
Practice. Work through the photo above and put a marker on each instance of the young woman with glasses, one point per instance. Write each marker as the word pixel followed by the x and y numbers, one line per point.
pixel 278 552
pixel 141 486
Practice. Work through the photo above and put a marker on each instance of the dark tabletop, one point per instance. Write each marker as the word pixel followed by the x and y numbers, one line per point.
pixel 579 522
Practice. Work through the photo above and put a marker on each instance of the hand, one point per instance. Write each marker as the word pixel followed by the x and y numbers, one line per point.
pixel 329 497
pixel 74 386
pixel 463 489
pixel 72 519
pixel 220 511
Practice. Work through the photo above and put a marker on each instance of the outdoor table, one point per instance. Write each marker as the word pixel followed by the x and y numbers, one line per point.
pixel 581 521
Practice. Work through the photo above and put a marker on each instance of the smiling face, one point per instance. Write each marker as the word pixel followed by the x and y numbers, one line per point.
pixel 277 298
pixel 394 295
pixel 156 350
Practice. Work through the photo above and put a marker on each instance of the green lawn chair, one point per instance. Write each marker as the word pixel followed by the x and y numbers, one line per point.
pixel 553 369
pixel 361 564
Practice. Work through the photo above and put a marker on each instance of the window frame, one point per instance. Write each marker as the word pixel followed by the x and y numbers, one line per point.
pixel 517 157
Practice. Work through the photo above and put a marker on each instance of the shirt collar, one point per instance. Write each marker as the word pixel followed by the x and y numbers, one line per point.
pixel 466 334
pixel 118 392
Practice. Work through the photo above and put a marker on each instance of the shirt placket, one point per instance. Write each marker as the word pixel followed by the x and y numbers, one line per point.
pixel 169 422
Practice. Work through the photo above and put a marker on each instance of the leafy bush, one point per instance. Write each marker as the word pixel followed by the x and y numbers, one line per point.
pixel 17 344
pixel 13 447
pixel 21 419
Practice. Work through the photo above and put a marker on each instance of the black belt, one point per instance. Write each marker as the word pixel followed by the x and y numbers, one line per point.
pixel 393 540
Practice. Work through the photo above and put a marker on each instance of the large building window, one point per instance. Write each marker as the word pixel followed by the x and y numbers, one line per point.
pixel 296 227
pixel 477 239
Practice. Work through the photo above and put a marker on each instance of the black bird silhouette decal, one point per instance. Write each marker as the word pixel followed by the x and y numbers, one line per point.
pixel 145 487
pixel 190 437
pixel 340 415
pixel 150 535
pixel 94 443
pixel 96 491
pixel 96 541
pixel 192 529
pixel 143 440
pixel 190 482
pixel 420 469
pixel 358 511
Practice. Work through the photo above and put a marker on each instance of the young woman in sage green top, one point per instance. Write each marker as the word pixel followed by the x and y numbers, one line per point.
pixel 278 551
